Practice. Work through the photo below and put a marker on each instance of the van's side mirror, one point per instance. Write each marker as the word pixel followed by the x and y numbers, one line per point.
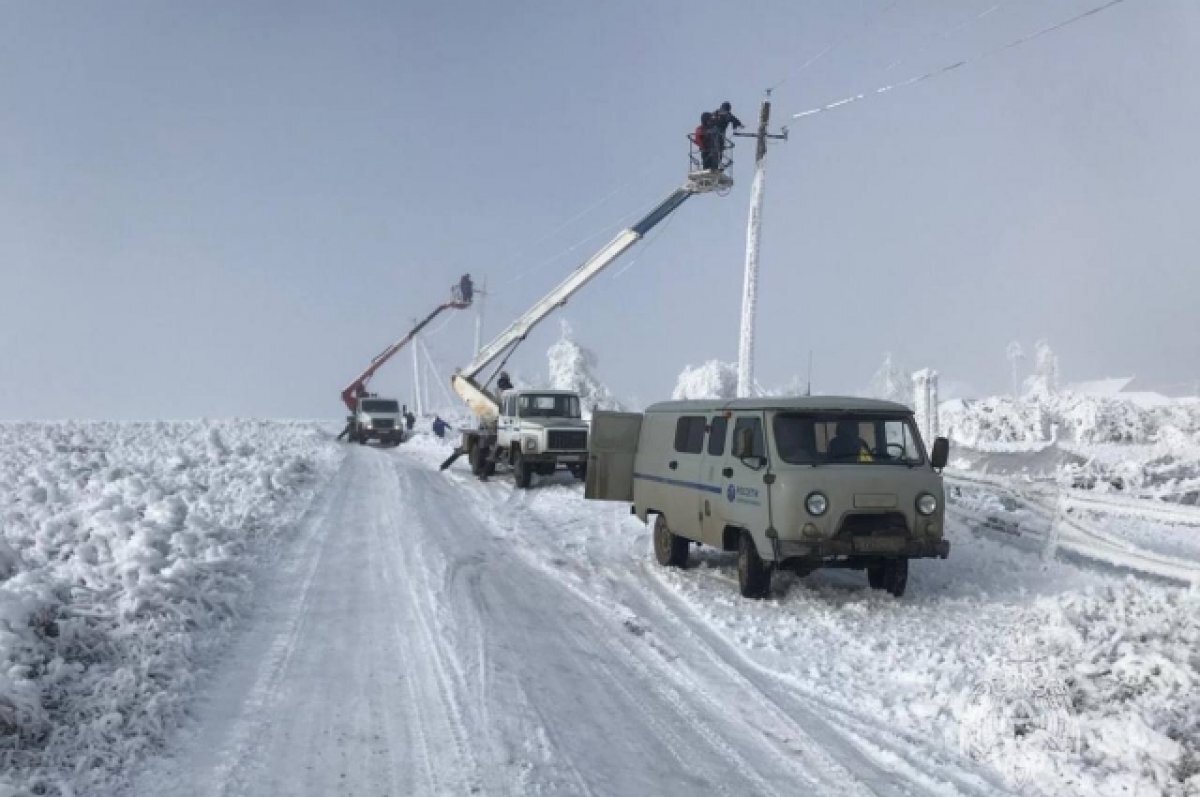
pixel 941 453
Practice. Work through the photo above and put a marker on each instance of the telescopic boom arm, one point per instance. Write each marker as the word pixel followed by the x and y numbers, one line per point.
pixel 359 385
pixel 482 402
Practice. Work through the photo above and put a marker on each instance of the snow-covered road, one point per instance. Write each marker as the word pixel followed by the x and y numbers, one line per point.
pixel 414 644
pixel 426 633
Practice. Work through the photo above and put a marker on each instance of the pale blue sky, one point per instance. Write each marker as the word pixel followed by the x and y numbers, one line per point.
pixel 215 209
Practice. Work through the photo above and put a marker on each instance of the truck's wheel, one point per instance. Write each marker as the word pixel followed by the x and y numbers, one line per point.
pixel 895 576
pixel 579 471
pixel 754 576
pixel 875 575
pixel 363 439
pixel 477 459
pixel 522 470
pixel 670 549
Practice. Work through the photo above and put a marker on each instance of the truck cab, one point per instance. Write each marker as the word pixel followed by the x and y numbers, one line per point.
pixel 377 418
pixel 799 483
pixel 540 430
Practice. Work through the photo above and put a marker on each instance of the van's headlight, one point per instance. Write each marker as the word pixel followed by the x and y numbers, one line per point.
pixel 926 504
pixel 531 444
pixel 816 504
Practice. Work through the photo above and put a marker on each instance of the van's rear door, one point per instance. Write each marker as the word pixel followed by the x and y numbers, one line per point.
pixel 612 446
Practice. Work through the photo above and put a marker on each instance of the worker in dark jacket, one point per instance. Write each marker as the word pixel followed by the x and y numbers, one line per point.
pixel 439 426
pixel 722 118
pixel 504 383
pixel 409 421
pixel 466 289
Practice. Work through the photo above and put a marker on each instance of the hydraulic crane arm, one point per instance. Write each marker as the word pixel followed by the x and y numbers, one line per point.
pixel 482 402
pixel 359 385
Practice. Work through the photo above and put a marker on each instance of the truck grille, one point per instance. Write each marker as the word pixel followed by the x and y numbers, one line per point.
pixel 566 440
pixel 866 525
pixel 383 423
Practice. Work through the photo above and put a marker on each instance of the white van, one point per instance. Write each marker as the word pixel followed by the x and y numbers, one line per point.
pixel 800 483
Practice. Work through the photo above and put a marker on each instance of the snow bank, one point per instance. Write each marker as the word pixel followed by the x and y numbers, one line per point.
pixel 125 553
pixel 711 380
pixel 573 367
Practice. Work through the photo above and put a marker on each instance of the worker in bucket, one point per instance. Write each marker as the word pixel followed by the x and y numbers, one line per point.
pixel 466 289
pixel 722 118
pixel 704 137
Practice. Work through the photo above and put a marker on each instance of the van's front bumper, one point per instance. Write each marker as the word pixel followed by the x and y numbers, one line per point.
pixel 885 547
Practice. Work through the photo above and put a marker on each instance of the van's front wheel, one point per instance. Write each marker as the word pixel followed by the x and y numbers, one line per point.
pixel 670 549
pixel 895 576
pixel 754 575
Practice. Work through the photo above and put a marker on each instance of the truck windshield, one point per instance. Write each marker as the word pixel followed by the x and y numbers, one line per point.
pixel 815 439
pixel 380 405
pixel 532 405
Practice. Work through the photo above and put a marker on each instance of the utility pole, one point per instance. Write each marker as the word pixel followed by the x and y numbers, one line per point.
pixel 745 381
pixel 478 302
pixel 416 375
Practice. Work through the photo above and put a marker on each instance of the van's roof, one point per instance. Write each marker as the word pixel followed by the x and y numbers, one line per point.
pixel 800 403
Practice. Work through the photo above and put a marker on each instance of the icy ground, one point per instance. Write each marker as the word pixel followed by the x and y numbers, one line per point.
pixel 127 552
pixel 417 632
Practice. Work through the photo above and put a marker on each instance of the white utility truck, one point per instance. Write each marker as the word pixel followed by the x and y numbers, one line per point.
pixel 799 483
pixel 376 418
pixel 501 434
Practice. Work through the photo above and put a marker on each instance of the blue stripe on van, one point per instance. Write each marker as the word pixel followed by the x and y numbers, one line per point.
pixel 708 488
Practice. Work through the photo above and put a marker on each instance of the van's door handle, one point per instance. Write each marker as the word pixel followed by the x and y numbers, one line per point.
pixel 672 464
pixel 727 473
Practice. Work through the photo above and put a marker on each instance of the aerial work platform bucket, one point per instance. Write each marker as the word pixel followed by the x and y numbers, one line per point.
pixel 702 177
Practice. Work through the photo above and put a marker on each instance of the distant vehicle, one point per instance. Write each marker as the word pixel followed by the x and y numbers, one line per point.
pixel 797 483
pixel 376 418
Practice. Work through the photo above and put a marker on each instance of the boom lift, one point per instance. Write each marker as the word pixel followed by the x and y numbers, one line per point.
pixel 362 424
pixel 480 443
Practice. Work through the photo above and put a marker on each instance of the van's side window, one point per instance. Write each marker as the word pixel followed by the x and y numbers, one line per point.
pixel 757 449
pixel 716 436
pixel 689 434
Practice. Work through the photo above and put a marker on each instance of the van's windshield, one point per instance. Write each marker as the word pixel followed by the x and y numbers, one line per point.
pixel 550 405
pixel 380 405
pixel 816 438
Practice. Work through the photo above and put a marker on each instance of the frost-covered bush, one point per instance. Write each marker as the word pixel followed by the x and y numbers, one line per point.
pixel 573 367
pixel 125 552
pixel 711 380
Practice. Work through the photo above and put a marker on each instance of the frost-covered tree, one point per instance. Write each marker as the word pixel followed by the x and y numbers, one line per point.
pixel 1015 354
pixel 891 382
pixel 711 380
pixel 573 367
pixel 1044 380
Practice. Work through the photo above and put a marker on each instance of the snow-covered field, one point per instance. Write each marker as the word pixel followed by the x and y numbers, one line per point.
pixel 127 551
pixel 421 632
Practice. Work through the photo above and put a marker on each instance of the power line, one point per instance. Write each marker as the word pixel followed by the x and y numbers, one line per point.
pixel 951 67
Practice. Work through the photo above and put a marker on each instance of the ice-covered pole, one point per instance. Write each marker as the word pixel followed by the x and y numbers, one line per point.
pixel 745 382
pixel 416 380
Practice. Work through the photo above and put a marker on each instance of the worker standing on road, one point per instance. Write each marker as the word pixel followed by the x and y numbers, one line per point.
pixel 439 427
pixel 409 420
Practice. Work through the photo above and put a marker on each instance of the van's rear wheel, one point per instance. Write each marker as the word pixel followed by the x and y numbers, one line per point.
pixel 754 575
pixel 670 549
pixel 875 575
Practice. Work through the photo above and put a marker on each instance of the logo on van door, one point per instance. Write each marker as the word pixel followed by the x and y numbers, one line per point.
pixel 742 495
